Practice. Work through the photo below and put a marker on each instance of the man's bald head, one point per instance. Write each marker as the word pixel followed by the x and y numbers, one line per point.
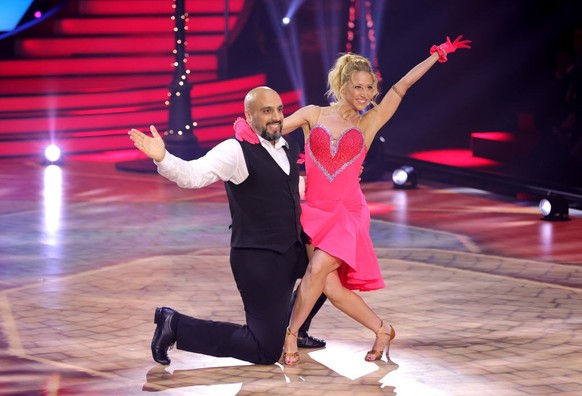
pixel 264 112
pixel 257 94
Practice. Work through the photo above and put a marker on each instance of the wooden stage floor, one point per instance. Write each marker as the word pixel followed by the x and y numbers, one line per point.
pixel 481 292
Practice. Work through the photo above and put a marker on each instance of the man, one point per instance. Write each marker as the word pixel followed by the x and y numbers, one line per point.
pixel 267 251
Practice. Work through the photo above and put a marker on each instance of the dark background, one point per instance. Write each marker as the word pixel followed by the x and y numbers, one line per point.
pixel 508 71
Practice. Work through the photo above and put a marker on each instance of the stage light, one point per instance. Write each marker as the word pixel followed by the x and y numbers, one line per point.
pixel 286 21
pixel 554 208
pixel 405 177
pixel 52 155
pixel 289 35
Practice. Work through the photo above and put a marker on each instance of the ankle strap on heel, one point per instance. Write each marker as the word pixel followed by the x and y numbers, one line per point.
pixel 379 331
pixel 290 333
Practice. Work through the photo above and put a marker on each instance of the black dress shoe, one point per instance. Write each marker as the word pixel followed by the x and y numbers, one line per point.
pixel 164 337
pixel 307 341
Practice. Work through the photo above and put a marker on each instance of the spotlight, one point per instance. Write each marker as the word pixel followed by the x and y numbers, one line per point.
pixel 554 208
pixel 405 177
pixel 286 21
pixel 52 155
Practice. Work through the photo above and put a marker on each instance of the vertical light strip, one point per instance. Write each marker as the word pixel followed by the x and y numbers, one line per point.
pixel 292 54
pixel 328 23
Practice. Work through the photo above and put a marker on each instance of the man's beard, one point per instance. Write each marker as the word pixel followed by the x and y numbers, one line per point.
pixel 272 137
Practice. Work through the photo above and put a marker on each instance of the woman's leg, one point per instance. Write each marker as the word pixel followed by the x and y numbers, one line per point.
pixel 310 289
pixel 318 303
pixel 321 276
pixel 350 303
pixel 356 308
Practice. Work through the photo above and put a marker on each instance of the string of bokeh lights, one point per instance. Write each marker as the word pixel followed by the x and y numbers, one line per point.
pixel 367 32
pixel 180 65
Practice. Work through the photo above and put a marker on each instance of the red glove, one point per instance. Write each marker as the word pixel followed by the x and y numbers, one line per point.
pixel 243 131
pixel 448 48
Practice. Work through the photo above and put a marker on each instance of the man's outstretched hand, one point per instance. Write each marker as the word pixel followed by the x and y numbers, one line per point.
pixel 449 47
pixel 243 131
pixel 153 147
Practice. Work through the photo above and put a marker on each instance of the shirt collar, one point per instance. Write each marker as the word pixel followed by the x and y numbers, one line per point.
pixel 280 143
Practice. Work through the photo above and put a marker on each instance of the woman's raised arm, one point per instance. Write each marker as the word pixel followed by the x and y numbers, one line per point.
pixel 382 113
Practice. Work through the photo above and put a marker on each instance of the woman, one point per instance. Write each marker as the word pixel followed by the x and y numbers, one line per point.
pixel 335 215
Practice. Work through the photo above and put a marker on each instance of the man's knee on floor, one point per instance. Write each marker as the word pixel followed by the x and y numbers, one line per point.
pixel 268 357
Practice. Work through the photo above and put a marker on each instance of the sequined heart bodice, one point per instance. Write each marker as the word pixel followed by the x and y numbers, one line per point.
pixel 330 156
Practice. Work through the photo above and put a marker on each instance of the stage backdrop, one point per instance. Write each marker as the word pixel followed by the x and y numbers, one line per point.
pixel 507 82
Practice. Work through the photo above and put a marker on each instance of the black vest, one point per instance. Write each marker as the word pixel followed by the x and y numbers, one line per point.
pixel 265 208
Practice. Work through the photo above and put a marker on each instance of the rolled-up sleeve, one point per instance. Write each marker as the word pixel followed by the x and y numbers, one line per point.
pixel 224 162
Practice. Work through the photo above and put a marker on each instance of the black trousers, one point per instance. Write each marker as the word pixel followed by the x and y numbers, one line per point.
pixel 265 280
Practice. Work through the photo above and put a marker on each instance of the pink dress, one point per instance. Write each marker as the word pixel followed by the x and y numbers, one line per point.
pixel 335 214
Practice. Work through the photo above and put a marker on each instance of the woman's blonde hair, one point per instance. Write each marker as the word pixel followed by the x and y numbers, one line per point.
pixel 341 73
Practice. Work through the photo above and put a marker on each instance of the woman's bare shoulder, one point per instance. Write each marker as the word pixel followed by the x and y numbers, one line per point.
pixel 309 113
pixel 312 109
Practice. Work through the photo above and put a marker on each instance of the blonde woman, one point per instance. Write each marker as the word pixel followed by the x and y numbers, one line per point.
pixel 335 214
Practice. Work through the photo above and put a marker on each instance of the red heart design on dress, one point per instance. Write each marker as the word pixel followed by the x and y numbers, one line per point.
pixel 333 159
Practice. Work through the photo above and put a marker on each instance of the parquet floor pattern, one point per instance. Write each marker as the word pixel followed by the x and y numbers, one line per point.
pixel 485 297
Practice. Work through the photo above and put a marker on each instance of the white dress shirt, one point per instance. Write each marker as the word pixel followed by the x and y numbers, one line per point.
pixel 224 162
